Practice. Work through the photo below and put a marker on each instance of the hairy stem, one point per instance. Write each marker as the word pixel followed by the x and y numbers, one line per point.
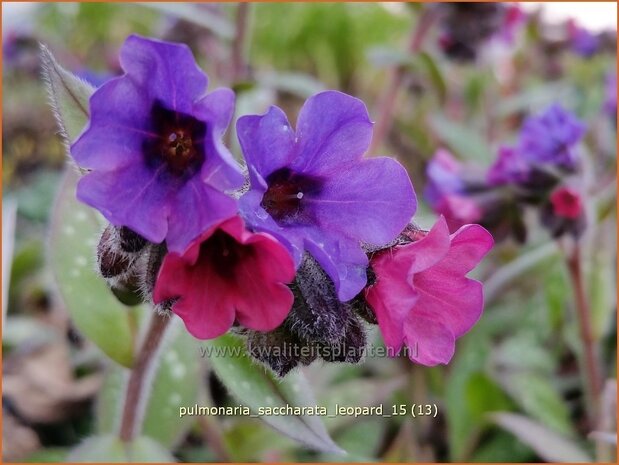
pixel 136 387
pixel 388 100
pixel 589 358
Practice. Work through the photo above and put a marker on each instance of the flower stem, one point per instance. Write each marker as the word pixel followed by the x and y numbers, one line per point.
pixel 239 44
pixel 388 100
pixel 589 358
pixel 136 387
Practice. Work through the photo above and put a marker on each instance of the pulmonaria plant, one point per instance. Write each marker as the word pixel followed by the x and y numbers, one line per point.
pixel 307 248
pixel 527 173
pixel 448 190
pixel 228 274
pixel 153 146
pixel 312 189
pixel 422 297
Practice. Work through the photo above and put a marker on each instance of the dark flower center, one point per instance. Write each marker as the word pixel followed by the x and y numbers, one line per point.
pixel 223 254
pixel 179 141
pixel 287 195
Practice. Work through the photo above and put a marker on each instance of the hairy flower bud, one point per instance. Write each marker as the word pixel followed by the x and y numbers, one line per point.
pixel 113 261
pixel 131 241
pixel 350 348
pixel 280 349
pixel 317 314
pixel 129 264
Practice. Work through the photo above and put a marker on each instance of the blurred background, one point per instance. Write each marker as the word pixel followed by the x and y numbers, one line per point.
pixel 516 389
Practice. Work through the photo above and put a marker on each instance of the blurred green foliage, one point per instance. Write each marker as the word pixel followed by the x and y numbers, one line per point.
pixel 521 358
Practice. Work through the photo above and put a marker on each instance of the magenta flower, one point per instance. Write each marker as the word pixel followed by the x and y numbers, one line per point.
pixel 513 19
pixel 549 138
pixel 422 297
pixel 228 274
pixel 153 145
pixel 566 203
pixel 313 190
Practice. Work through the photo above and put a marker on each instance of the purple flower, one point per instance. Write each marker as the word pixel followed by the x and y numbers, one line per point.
pixel 549 138
pixel 509 167
pixel 447 191
pixel 312 189
pixel 153 145
pixel 444 176
pixel 583 42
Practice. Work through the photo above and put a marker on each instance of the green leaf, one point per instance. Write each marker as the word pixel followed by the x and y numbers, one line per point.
pixel 68 96
pixel 523 352
pixel 434 73
pixel 110 449
pixel 256 387
pixel 539 399
pixel 75 230
pixel 359 393
pixel 361 439
pixel 483 395
pixel 462 427
pixel 550 446
pixel 501 448
pixel 462 139
pixel 516 268
pixel 175 383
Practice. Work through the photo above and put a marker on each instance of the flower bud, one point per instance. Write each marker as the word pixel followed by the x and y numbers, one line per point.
pixel 350 348
pixel 564 213
pixel 112 260
pixel 317 314
pixel 130 241
pixel 280 349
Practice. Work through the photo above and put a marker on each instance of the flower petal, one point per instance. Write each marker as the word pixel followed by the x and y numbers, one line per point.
pixel 372 201
pixel 429 342
pixel 257 217
pixel 267 141
pixel 392 298
pixel 165 71
pixel 469 245
pixel 196 208
pixel 119 115
pixel 133 196
pixel 428 251
pixel 456 303
pixel 264 302
pixel 205 307
pixel 342 258
pixel 209 300
pixel 333 130
pixel 219 169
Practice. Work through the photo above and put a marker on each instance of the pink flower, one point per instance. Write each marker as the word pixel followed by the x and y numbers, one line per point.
pixel 422 297
pixel 566 203
pixel 228 274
